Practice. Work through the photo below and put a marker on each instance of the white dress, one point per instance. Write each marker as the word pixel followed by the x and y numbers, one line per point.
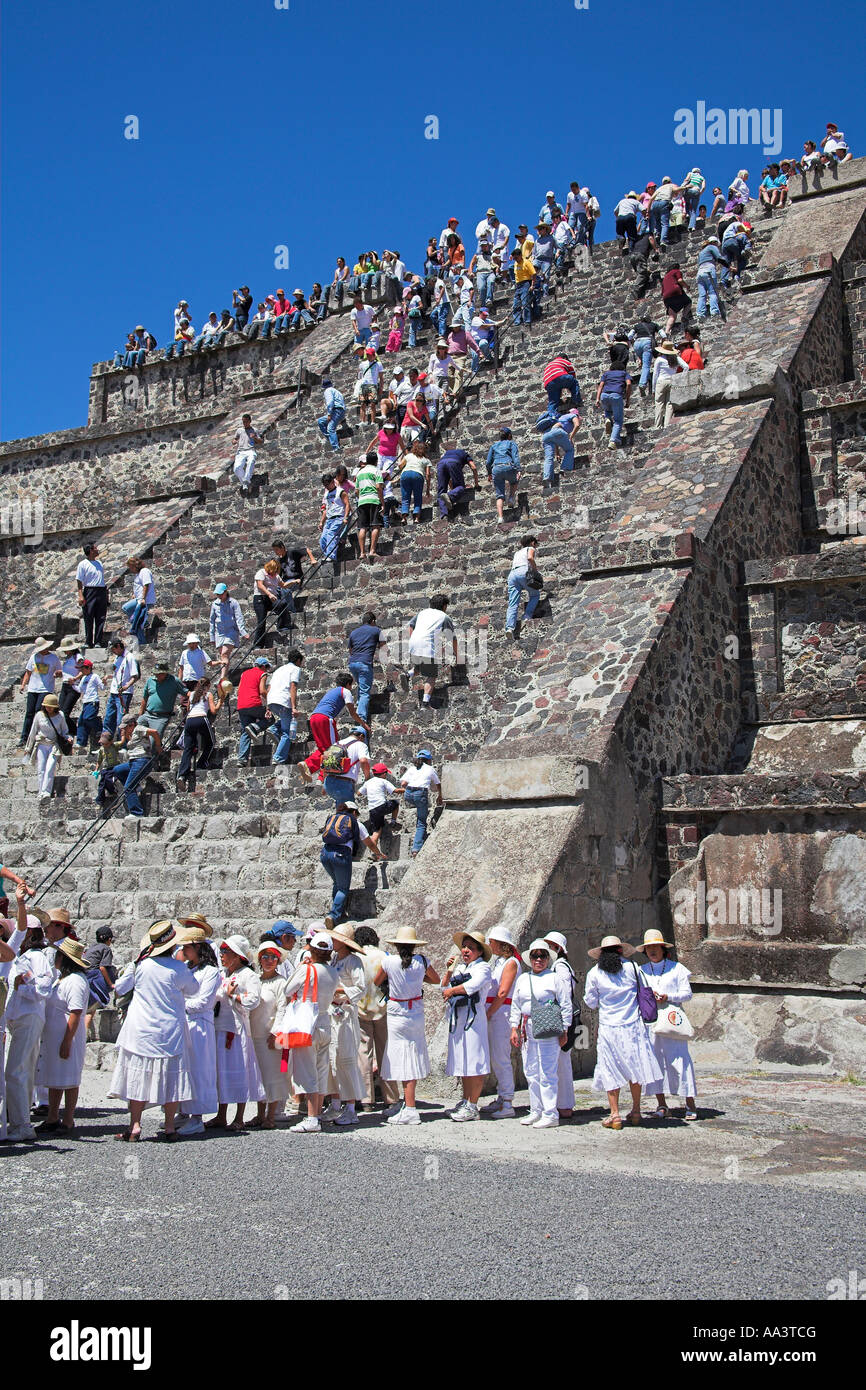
pixel 199 1017
pixel 238 1076
pixel 346 1079
pixel 672 1054
pixel 275 1081
pixel 565 1071
pixel 153 1048
pixel 499 1028
pixel 310 1064
pixel 541 1055
pixel 468 1042
pixel 624 1050
pixel 65 996
pixel 405 1056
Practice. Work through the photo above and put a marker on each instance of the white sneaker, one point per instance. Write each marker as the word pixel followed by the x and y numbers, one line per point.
pixel 530 1119
pixel 468 1112
pixel 406 1117
pixel 332 1113
pixel 546 1122
pixel 191 1126
pixel 308 1126
pixel 20 1134
pixel 505 1111
pixel 346 1117
pixel 391 1110
pixel 492 1107
pixel 455 1109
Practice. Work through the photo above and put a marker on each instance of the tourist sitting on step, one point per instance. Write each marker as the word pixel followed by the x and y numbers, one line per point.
pixel 334 517
pixel 484 330
pixel 317 303
pixel 226 625
pixel 263 316
pixel 426 636
pixel 451 478
pixel 271 594
pixel 834 147
pixel 210 334
pixel 282 315
pixel 185 334
pixel 773 191
pixel 523 578
pixel 417 423
pixel 337 287
pixel 198 739
pixel 291 562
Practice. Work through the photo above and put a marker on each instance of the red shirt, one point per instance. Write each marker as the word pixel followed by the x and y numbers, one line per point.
pixel 560 366
pixel 248 689
pixel 672 283
pixel 281 307
pixel 694 359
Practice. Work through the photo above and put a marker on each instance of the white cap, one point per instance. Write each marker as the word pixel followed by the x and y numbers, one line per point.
pixel 550 193
pixel 558 940
pixel 321 942
pixel 192 637
pixel 504 934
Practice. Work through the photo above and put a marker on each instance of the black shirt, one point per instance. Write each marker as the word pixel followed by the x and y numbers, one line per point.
pixel 290 564
pixel 619 354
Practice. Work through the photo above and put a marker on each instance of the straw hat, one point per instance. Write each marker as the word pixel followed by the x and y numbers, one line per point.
pixel 405 936
pixel 192 935
pixel 161 937
pixel 239 944
pixel 653 937
pixel 609 942
pixel 73 950
pixel 477 936
pixel 503 934
pixel 58 915
pixel 42 644
pixel 225 688
pixel 539 944
pixel 70 644
pixel 346 935
pixel 51 702
pixel 272 948
pixel 666 348
pixel 195 919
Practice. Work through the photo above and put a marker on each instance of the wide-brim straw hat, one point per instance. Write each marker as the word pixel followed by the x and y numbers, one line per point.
pixel 73 950
pixel 478 937
pixel 239 944
pixel 654 937
pixel 539 944
pixel 162 936
pixel 272 948
pixel 607 943
pixel 192 935
pixel 42 644
pixel 405 936
pixel 346 935
pixel 70 644
pixel 666 348
pixel 196 919
pixel 51 702
pixel 58 915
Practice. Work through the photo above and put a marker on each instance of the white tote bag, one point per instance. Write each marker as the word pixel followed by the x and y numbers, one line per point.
pixel 672 1023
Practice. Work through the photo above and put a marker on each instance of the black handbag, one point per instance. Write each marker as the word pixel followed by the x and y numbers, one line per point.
pixel 63 743
pixel 534 579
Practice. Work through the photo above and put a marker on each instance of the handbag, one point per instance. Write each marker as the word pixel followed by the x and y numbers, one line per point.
pixel 300 1017
pixel 646 1000
pixel 546 1017
pixel 534 579
pixel 64 744
pixel 672 1023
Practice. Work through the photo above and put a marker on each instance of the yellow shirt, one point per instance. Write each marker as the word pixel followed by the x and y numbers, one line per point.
pixel 525 269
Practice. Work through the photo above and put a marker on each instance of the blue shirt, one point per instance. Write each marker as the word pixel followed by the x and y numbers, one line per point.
pixel 503 454
pixel 332 704
pixel 450 467
pixel 364 643
pixel 614 382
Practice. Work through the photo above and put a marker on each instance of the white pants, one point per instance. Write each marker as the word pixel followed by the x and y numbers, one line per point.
pixel 565 1081
pixel 540 1062
pixel 345 1079
pixel 499 1034
pixel 3 1082
pixel 46 766
pixel 24 1036
pixel 245 462
pixel 310 1065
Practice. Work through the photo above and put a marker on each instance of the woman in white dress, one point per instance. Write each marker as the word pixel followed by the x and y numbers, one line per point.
pixel 625 1057
pixel 275 1080
pixel 466 987
pixel 504 969
pixel 316 976
pixel 64 1038
pixel 153 1049
pixel 541 988
pixel 670 981
pixel 201 961
pixel 43 743
pixel 345 1080
pixel 238 1076
pixel 405 1057
pixel 561 967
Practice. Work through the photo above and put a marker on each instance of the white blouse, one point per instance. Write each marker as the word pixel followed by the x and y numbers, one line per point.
pixel 544 987
pixel 671 978
pixel 155 1024
pixel 615 996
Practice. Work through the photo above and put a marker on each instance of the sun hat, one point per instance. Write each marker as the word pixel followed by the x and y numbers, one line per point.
pixel 477 936
pixel 239 944
pixel 558 940
pixel 346 934
pixel 653 937
pixel 537 945
pixel 191 936
pixel 73 950
pixel 631 194
pixel 51 702
pixel 58 915
pixel 162 936
pixel 73 644
pixel 442 342
pixel 221 589
pixel 42 644
pixel 320 941
pixel 491 212
pixel 225 688
pixel 504 934
pixel 405 936
pixel 550 193
pixel 610 941
pixel 666 348
pixel 379 769
pixel 192 637
pixel 274 949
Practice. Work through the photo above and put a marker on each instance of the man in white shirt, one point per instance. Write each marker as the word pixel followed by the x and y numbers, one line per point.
pixel 283 703
pixel 38 681
pixel 126 673
pixel 362 316
pixel 425 643
pixel 193 662
pixel 247 440
pixel 418 781
pixel 400 391
pixel 440 306
pixel 451 226
pixel 89 723
pixel 494 231
pixel 143 598
pixel 92 595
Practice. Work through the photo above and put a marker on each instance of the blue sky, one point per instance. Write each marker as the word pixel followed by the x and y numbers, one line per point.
pixel 304 127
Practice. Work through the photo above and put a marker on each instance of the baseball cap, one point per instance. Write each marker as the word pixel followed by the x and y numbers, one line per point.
pixel 221 589
pixel 261 661
pixel 87 665
pixel 371 352
pixel 349 805
pixel 379 768
pixel 425 753
pixel 359 729
pixel 550 193
pixel 283 927
pixel 455 220
pixel 321 942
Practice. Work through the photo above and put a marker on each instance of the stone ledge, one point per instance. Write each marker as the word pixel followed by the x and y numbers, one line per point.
pixel 491 781
pixel 604 556
pixel 688 796
pixel 727 384
pixel 846 393
pixel 789 272
pixel 817 183
pixel 813 704
pixel 749 962
pixel 843 560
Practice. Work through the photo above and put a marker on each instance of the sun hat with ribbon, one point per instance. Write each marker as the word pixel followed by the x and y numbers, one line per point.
pixel 405 936
pixel 608 943
pixel 477 937
pixel 653 937
pixel 197 919
pixel 239 944
pixel 74 951
pixel 270 947
pixel 346 935
pixel 161 937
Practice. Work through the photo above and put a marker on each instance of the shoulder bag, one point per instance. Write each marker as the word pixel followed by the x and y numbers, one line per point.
pixel 646 1000
pixel 546 1017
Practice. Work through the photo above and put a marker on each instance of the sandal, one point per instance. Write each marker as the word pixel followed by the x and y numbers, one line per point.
pixel 661 1113
pixel 612 1123
pixel 215 1124
pixel 49 1127
pixel 237 1127
pixel 167 1137
pixel 255 1123
pixel 126 1136
pixel 633 1117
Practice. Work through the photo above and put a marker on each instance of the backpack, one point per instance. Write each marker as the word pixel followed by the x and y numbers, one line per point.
pixel 334 760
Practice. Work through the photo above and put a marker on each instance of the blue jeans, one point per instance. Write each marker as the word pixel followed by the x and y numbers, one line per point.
pixel 439 315
pixel 135 358
pixel 364 676
pixel 581 227
pixel 363 335
pixel 338 866
pixel 613 406
pixel 138 614
pixel 550 440
pixel 521 308
pixel 517 585
pixel 412 488
pixel 129 774
pixel 643 351
pixel 176 348
pixel 329 540
pixel 692 201
pixel 288 728
pixel 414 324
pixel 339 788
pixel 418 797
pixel 88 724
pixel 659 220
pixel 328 426
pixel 115 706
pixel 559 384
pixel 485 284
pixel 708 289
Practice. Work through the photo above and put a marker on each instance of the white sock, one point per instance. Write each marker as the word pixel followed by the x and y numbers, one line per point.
pixel 349 1107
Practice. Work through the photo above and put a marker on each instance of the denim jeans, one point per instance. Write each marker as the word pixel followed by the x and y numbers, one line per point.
pixel 521 308
pixel 613 406
pixel 88 723
pixel 555 387
pixel 340 789
pixel 517 585
pixel 643 351
pixel 34 703
pixel 115 707
pixel 412 489
pixel 138 614
pixel 130 774
pixel 439 315
pixel 329 540
pixel 708 289
pixel 328 426
pixel 582 228
pixel 288 729
pixel 550 440
pixel 485 284
pixel 364 676
pixel 255 714
pixel 135 358
pixel 363 335
pixel 338 866
pixel 627 227
pixel 419 797
pixel 414 321
pixel 659 220
pixel 692 200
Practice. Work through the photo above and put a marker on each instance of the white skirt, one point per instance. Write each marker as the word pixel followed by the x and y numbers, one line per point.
pixel 624 1054
pixel 678 1072
pixel 202 1066
pixel 276 1082
pixel 154 1080
pixel 238 1077
pixel 469 1048
pixel 405 1056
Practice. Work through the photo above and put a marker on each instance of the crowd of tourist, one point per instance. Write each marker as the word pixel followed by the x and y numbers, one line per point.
pixel 323 1024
